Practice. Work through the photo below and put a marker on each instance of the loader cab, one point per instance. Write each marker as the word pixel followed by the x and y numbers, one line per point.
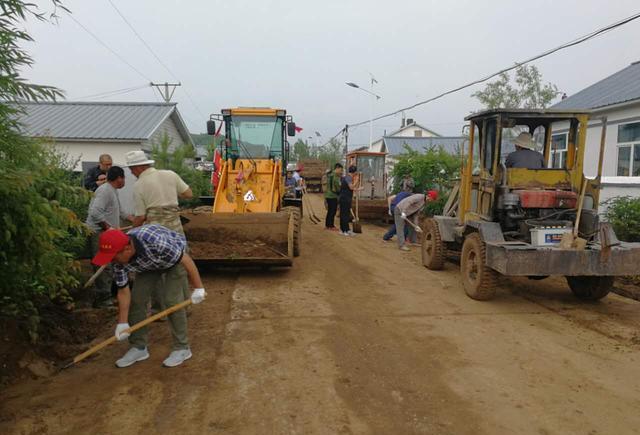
pixel 255 134
pixel 558 136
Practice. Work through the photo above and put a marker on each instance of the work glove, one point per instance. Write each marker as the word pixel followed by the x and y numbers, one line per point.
pixel 120 334
pixel 198 296
pixel 404 215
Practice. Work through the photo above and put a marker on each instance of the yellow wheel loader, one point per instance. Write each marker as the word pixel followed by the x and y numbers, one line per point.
pixel 537 217
pixel 251 223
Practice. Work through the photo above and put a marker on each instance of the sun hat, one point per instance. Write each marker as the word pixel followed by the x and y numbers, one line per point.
pixel 137 158
pixel 111 242
pixel 524 141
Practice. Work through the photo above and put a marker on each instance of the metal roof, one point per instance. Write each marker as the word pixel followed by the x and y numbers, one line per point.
pixel 621 87
pixel 109 121
pixel 526 113
pixel 395 145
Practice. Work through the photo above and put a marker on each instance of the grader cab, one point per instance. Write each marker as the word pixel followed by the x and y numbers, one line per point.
pixel 519 221
pixel 251 223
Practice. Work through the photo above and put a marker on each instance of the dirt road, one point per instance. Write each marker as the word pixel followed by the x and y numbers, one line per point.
pixel 357 338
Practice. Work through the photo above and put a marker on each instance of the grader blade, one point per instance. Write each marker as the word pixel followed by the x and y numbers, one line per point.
pixel 235 239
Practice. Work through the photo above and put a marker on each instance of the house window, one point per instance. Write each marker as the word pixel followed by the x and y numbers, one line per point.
pixel 417 133
pixel 629 150
pixel 558 155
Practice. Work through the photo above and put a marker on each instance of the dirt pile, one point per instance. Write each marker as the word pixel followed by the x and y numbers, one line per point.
pixel 61 335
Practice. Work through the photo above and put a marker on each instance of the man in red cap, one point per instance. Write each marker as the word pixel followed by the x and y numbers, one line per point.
pixel 409 210
pixel 157 256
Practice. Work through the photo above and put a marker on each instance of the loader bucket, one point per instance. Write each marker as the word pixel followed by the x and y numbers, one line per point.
pixel 240 239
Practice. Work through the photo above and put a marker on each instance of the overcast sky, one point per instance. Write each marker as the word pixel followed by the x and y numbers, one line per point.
pixel 298 55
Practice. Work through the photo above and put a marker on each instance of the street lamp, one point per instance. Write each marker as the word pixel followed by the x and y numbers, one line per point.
pixel 376 97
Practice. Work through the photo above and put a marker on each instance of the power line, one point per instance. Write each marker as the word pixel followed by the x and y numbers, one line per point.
pixel 153 53
pixel 108 48
pixel 572 43
pixel 114 92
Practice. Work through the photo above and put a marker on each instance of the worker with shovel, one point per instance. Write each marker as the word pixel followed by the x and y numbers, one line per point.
pixel 157 256
pixel 407 212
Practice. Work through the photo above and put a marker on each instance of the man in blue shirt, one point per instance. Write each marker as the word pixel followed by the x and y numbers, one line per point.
pixel 157 256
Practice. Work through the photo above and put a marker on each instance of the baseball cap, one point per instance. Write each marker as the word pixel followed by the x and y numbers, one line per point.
pixel 111 242
pixel 432 194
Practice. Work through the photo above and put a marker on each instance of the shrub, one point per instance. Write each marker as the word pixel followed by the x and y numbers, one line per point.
pixel 433 169
pixel 38 230
pixel 177 161
pixel 623 213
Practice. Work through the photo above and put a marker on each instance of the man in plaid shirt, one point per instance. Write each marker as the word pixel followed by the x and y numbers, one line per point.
pixel 158 257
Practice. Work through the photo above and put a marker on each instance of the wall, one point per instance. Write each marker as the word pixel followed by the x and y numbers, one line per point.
pixel 610 161
pixel 168 126
pixel 618 186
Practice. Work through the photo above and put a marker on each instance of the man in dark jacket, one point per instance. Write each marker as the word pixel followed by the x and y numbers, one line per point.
pixel 97 175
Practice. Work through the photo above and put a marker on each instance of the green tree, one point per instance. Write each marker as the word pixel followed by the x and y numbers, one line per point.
pixel 331 152
pixel 435 168
pixel 525 91
pixel 300 151
pixel 178 160
pixel 39 232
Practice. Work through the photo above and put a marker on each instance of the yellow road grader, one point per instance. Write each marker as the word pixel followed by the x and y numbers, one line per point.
pixel 251 222
pixel 508 221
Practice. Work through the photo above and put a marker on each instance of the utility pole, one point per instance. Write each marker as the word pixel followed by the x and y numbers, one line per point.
pixel 166 90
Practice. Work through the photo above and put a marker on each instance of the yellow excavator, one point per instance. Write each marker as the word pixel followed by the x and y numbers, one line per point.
pixel 251 221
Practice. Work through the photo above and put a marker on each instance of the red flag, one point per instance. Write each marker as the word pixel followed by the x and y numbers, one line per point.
pixel 215 174
pixel 298 129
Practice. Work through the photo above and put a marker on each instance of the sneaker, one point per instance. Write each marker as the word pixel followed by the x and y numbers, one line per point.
pixel 177 357
pixel 132 356
pixel 345 233
pixel 404 248
pixel 351 233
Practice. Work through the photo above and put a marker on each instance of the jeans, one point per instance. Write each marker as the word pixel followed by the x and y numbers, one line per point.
pixel 402 227
pixel 392 232
pixel 332 209
pixel 345 214
pixel 171 285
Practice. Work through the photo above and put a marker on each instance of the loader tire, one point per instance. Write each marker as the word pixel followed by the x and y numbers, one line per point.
pixel 478 279
pixel 433 248
pixel 297 228
pixel 590 288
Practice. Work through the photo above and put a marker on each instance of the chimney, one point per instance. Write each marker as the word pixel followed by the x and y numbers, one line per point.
pixel 410 121
pixel 564 95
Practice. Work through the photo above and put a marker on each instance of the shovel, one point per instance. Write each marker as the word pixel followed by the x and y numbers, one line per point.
pixel 414 226
pixel 312 214
pixel 357 228
pixel 134 328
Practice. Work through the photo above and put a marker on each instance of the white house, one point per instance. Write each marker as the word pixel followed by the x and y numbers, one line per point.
pixel 408 129
pixel 617 98
pixel 85 130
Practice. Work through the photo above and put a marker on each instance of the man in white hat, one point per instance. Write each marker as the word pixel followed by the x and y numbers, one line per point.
pixel 524 156
pixel 155 198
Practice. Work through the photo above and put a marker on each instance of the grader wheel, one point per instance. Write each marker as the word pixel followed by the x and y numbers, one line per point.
pixel 433 249
pixel 590 288
pixel 297 230
pixel 478 279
